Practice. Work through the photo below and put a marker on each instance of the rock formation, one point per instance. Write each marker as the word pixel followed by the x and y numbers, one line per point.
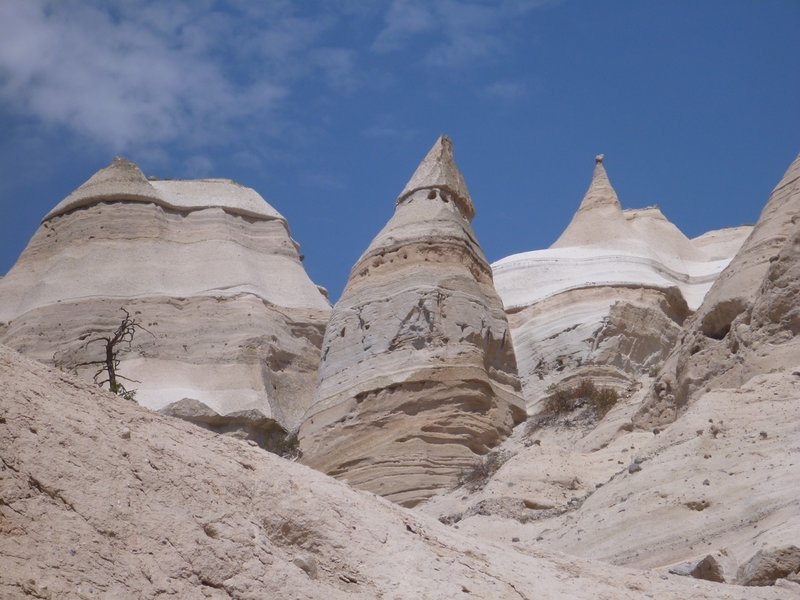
pixel 207 266
pixel 102 499
pixel 608 299
pixel 706 484
pixel 690 475
pixel 748 322
pixel 418 376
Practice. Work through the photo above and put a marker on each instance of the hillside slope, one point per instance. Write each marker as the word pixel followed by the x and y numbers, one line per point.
pixel 103 499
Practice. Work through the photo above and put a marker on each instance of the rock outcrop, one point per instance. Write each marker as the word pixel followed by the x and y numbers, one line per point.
pixel 207 267
pixel 102 499
pixel 608 299
pixel 418 376
pixel 748 322
pixel 706 487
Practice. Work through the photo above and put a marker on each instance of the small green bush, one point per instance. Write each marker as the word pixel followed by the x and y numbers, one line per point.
pixel 563 401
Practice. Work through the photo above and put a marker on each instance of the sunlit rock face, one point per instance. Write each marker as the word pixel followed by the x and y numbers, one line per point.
pixel 608 299
pixel 418 375
pixel 748 323
pixel 207 267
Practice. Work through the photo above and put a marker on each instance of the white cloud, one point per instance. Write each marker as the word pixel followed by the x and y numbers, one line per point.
pixel 505 91
pixel 146 72
pixel 455 33
pixel 405 19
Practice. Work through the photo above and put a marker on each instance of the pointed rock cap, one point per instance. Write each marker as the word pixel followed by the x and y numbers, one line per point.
pixel 439 170
pixel 599 219
pixel 121 180
pixel 600 192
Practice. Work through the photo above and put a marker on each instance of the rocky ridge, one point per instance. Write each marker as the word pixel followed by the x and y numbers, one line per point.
pixel 749 321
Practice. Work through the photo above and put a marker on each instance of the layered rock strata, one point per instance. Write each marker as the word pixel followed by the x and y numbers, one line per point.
pixel 209 270
pixel 418 376
pixel 608 299
pixel 748 322
pixel 102 499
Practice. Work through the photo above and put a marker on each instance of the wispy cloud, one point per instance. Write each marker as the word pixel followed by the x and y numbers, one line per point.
pixel 147 72
pixel 505 91
pixel 455 33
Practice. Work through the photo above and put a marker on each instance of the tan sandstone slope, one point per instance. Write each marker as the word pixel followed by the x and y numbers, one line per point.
pixel 418 376
pixel 207 266
pixel 102 499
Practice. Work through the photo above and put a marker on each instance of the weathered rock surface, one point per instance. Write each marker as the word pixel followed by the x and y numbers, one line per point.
pixel 418 376
pixel 767 566
pixel 716 474
pixel 749 321
pixel 610 295
pixel 102 499
pixel 209 269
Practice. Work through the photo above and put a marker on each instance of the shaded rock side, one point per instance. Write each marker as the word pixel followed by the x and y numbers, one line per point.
pixel 102 499
pixel 608 299
pixel 749 320
pixel 207 267
pixel 418 376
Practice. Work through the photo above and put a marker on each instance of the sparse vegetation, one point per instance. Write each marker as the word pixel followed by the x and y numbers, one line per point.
pixel 476 477
pixel 113 344
pixel 565 400
pixel 287 446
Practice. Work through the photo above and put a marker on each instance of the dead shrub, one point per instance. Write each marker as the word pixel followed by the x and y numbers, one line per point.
pixel 476 477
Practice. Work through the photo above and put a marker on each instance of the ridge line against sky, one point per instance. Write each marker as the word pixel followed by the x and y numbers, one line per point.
pixel 325 107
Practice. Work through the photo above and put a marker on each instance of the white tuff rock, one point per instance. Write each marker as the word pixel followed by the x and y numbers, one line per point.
pixel 418 376
pixel 207 267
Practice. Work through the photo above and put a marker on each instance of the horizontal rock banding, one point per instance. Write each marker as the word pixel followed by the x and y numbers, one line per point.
pixel 418 375
pixel 206 266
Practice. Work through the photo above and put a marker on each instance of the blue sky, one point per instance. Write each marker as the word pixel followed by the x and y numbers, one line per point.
pixel 326 107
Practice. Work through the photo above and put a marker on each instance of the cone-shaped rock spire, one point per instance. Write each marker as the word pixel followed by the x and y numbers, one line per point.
pixel 121 180
pixel 600 193
pixel 418 376
pixel 438 170
pixel 599 219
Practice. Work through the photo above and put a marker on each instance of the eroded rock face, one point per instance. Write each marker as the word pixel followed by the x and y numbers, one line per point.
pixel 418 375
pixel 768 565
pixel 207 267
pixel 749 321
pixel 102 499
pixel 607 301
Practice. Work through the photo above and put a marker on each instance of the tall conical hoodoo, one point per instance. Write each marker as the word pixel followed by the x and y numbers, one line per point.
pixel 418 377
